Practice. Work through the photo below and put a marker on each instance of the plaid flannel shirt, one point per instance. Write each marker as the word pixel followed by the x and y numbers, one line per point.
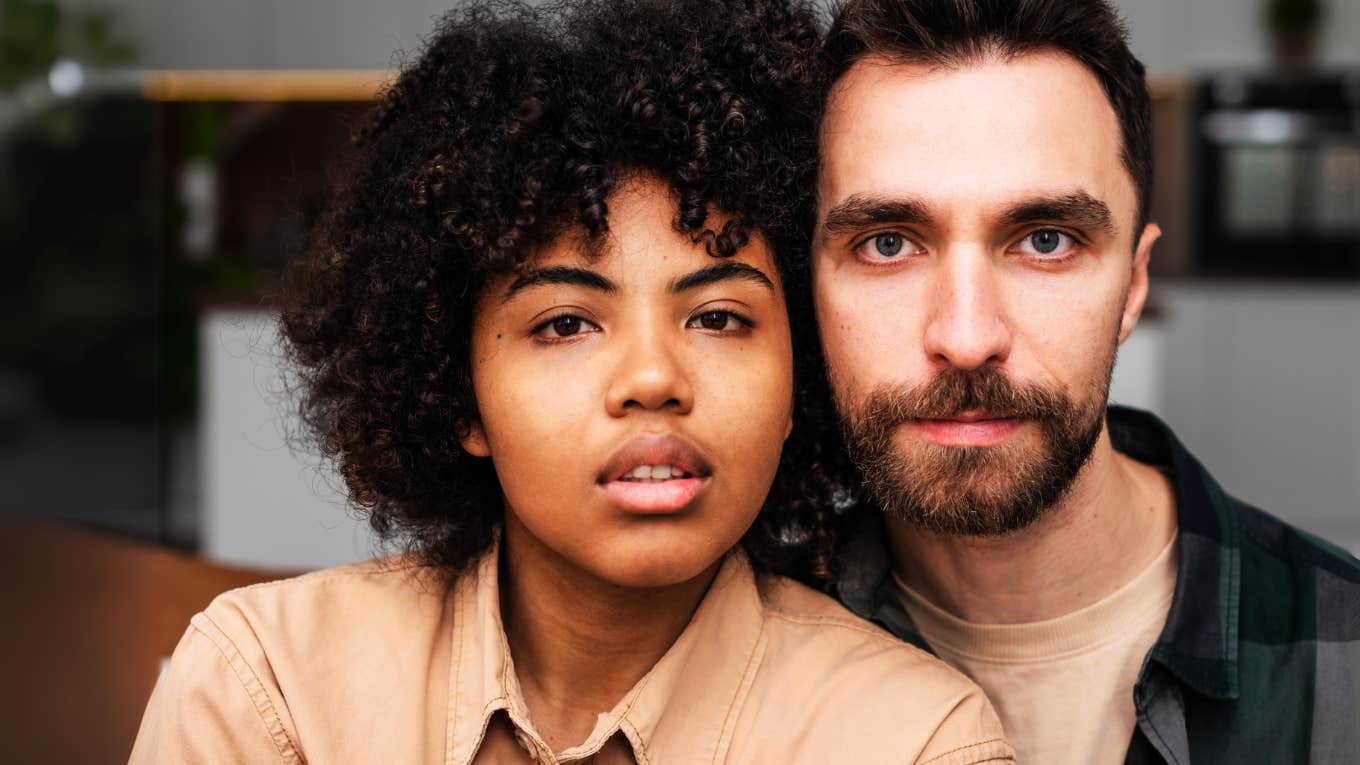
pixel 1259 661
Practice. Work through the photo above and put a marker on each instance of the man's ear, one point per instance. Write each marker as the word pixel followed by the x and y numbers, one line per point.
pixel 474 441
pixel 1138 282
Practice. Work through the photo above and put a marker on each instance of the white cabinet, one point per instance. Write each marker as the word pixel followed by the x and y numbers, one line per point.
pixel 1262 383
pixel 265 502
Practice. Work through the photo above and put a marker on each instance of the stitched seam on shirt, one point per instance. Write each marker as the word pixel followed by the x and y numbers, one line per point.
pixel 824 621
pixel 1166 745
pixel 233 658
pixel 962 749
pixel 481 736
pixel 326 576
pixel 639 752
pixel 456 628
pixel 747 678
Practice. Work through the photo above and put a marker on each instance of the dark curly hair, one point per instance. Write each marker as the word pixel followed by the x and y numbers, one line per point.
pixel 515 124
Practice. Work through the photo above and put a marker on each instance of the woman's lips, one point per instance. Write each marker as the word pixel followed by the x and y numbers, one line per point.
pixel 968 430
pixel 654 496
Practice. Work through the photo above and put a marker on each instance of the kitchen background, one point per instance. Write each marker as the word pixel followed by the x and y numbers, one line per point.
pixel 153 179
pixel 158 159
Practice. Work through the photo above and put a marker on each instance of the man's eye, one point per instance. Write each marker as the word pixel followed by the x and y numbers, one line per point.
pixel 563 327
pixel 1047 243
pixel 718 321
pixel 886 246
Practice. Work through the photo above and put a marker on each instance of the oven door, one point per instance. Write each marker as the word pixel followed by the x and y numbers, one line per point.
pixel 1280 193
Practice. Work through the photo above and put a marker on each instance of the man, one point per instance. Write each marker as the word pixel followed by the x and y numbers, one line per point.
pixel 981 249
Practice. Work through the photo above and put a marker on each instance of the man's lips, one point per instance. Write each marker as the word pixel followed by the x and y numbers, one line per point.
pixel 655 496
pixel 968 429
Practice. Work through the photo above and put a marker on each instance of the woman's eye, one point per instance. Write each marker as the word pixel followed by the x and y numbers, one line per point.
pixel 887 246
pixel 563 327
pixel 1047 243
pixel 718 321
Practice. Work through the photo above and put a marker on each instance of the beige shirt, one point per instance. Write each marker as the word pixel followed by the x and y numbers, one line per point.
pixel 1064 686
pixel 388 662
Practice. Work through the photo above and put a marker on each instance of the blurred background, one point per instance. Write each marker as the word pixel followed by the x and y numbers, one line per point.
pixel 158 159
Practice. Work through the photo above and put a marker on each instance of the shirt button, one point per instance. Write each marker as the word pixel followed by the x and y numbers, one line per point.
pixel 526 745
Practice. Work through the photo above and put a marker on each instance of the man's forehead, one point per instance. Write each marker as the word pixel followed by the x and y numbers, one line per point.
pixel 985 133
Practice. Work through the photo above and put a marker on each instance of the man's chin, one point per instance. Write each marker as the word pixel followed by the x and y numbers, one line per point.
pixel 974 491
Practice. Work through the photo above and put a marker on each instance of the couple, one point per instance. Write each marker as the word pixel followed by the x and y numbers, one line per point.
pixel 629 308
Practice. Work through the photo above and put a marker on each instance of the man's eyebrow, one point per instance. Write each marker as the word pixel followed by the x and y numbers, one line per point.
pixel 860 211
pixel 1077 209
pixel 579 277
pixel 718 272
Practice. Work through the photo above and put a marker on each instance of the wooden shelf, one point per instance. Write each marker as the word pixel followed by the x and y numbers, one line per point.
pixel 1171 88
pixel 362 85
pixel 266 85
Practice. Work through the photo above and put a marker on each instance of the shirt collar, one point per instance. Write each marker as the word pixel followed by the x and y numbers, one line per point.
pixel 682 710
pixel 1199 642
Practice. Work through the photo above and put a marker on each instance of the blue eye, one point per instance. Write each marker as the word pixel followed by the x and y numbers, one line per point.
pixel 1047 243
pixel 887 245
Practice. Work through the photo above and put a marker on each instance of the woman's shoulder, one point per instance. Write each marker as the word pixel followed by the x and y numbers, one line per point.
pixel 344 610
pixel 865 689
pixel 263 664
pixel 399 580
pixel 805 617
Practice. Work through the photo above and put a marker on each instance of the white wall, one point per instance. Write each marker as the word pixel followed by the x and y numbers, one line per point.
pixel 264 504
pixel 275 34
pixel 1171 36
pixel 1262 383
pixel 1176 36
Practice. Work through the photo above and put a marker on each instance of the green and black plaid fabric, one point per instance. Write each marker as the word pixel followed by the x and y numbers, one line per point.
pixel 1259 661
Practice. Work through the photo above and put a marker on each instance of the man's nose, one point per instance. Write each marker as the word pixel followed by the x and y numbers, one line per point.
pixel 966 326
pixel 650 375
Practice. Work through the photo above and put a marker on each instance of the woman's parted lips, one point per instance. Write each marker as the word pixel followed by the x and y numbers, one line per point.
pixel 655 449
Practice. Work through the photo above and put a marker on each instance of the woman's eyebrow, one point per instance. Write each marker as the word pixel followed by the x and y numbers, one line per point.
pixel 718 272
pixel 579 277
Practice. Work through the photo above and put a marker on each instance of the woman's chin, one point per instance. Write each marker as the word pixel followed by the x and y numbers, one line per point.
pixel 652 569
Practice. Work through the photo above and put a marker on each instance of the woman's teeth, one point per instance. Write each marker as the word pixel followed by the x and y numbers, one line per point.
pixel 654 473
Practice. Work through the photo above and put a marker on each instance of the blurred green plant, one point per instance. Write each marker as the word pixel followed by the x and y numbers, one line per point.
pixel 35 34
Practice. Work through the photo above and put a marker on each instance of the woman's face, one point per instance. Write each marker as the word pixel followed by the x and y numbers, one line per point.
pixel 635 392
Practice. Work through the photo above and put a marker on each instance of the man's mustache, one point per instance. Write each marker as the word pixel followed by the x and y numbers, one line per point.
pixel 955 392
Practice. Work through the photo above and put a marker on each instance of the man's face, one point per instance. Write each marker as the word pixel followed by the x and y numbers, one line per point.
pixel 976 267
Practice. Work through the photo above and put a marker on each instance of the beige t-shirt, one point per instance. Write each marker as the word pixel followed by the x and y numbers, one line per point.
pixel 389 662
pixel 1063 687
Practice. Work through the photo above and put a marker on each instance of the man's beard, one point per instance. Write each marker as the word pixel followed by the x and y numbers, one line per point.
pixel 972 491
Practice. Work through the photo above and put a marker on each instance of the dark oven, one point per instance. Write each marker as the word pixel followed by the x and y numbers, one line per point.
pixel 1277 175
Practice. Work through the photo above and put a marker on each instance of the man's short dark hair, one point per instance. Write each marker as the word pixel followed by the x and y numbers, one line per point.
pixel 954 33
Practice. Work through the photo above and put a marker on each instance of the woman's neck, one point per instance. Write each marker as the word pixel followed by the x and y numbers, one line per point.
pixel 580 643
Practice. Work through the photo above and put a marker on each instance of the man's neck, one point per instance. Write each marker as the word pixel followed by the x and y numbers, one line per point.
pixel 579 643
pixel 1117 516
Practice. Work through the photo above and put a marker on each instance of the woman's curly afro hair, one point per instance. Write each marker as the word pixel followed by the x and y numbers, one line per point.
pixel 514 125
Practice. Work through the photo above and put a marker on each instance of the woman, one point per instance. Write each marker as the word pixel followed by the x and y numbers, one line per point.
pixel 543 330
